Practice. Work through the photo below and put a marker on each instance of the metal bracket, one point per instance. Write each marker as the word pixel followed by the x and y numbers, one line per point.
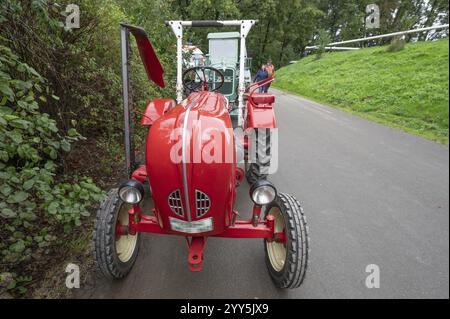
pixel 177 28
pixel 246 25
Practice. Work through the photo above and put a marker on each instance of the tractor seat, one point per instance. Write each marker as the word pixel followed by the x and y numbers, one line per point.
pixel 263 98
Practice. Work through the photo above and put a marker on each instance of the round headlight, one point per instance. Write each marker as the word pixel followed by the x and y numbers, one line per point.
pixel 263 192
pixel 131 192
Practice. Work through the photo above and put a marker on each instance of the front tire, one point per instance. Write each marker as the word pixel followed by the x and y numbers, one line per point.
pixel 115 255
pixel 287 261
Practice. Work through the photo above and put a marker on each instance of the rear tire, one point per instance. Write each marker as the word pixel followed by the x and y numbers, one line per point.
pixel 258 168
pixel 115 256
pixel 287 262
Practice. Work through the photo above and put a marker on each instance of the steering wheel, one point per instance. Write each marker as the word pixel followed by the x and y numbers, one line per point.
pixel 202 78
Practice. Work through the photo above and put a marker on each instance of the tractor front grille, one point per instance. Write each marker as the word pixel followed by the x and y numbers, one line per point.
pixel 202 203
pixel 175 203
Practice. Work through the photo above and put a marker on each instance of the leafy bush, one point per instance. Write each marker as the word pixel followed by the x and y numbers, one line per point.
pixel 35 203
pixel 324 40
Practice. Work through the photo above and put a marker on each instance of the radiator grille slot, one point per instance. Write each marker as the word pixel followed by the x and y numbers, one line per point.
pixel 175 203
pixel 202 203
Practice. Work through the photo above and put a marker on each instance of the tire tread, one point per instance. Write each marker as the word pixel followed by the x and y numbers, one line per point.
pixel 294 271
pixel 104 240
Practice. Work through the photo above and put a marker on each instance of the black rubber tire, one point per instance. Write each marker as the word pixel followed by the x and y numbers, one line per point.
pixel 104 239
pixel 259 168
pixel 297 243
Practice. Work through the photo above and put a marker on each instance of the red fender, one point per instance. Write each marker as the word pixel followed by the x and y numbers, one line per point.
pixel 140 174
pixel 260 116
pixel 155 109
pixel 260 113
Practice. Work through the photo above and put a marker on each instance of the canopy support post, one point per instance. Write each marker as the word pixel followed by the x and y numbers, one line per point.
pixel 125 51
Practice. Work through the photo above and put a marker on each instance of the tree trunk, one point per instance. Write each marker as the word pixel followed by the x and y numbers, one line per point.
pixel 265 38
pixel 283 45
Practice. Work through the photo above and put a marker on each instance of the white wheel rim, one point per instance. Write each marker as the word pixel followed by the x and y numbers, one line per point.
pixel 277 251
pixel 125 244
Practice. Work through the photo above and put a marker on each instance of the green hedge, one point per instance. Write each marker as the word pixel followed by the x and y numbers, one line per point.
pixel 36 203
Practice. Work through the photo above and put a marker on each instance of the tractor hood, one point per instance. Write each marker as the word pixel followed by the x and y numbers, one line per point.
pixel 191 162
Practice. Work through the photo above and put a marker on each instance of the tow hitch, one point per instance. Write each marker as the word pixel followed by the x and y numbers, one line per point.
pixel 195 256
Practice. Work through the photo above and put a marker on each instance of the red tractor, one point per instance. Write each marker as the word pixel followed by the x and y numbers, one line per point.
pixel 195 159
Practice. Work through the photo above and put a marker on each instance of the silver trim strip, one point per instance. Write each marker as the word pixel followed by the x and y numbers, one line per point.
pixel 183 158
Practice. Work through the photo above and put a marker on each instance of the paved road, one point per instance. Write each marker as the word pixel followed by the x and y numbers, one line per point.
pixel 372 195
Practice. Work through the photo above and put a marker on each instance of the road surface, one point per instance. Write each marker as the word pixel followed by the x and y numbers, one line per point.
pixel 371 194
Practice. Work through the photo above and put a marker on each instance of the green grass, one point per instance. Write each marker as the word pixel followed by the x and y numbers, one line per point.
pixel 406 89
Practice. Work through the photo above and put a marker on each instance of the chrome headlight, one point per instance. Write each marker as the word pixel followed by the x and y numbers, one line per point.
pixel 263 192
pixel 131 192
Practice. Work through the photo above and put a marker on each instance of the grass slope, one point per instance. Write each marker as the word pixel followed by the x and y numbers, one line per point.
pixel 406 89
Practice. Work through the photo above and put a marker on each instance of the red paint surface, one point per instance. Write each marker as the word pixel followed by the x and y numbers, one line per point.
pixel 151 62
pixel 155 109
pixel 208 121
